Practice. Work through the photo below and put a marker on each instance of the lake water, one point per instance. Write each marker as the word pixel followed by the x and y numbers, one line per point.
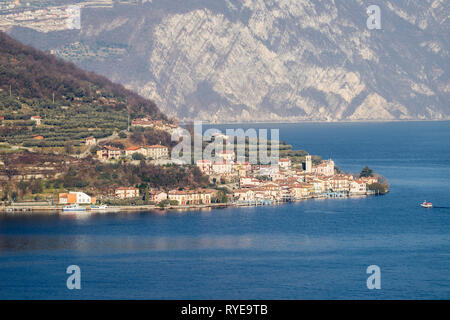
pixel 316 249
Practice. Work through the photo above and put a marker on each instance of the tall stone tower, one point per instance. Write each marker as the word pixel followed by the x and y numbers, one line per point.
pixel 308 164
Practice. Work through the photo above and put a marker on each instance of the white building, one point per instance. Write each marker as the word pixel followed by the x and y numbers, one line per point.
pixel 157 196
pixel 90 141
pixel 204 166
pixel 325 168
pixel 157 152
pixel 75 198
pixel 132 150
pixel 222 167
pixel 226 155
pixel 244 195
pixel 358 187
pixel 284 163
pixel 36 119
pixel 308 164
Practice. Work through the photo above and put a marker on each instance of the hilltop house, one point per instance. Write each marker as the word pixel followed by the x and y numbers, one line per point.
pixel 156 152
pixel 222 167
pixel 143 122
pixel 204 166
pixel 36 119
pixel 90 141
pixel 108 153
pixel 132 150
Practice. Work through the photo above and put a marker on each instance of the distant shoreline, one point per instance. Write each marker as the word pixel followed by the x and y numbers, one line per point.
pixel 311 121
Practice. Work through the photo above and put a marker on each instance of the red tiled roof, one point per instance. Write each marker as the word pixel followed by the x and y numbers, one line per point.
pixel 133 148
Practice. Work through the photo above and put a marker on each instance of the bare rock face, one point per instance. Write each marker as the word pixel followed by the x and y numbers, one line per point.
pixel 270 60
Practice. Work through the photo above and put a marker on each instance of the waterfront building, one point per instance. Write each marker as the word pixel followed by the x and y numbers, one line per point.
pixel 358 187
pixel 127 192
pixel 369 180
pixel 157 195
pixel 76 198
pixel 244 195
pixel 188 196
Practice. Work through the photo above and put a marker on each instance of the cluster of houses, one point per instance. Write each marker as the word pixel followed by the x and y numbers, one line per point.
pixel 183 197
pixel 153 152
pixel 282 182
pixel 155 124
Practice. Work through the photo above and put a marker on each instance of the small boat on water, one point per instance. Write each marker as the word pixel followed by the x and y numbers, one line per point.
pixel 101 207
pixel 73 208
pixel 426 204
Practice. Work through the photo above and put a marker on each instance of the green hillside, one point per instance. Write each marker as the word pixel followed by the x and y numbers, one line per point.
pixel 72 103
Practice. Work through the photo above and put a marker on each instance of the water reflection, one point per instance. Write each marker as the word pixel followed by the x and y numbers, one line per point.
pixel 85 243
pixel 272 242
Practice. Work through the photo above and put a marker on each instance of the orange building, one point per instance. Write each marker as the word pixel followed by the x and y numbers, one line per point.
pixel 76 198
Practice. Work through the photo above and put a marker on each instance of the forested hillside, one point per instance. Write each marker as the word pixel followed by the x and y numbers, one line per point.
pixel 71 103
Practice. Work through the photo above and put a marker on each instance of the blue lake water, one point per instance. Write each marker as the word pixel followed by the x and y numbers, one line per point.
pixel 316 249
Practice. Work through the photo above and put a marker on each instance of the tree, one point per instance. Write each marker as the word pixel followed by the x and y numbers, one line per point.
pixel 379 188
pixel 366 172
pixel 122 135
pixel 138 156
pixel 36 186
pixel 68 147
pixel 23 187
pixel 146 194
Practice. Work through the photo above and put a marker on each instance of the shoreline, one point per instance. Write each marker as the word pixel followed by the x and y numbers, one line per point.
pixel 59 209
pixel 314 122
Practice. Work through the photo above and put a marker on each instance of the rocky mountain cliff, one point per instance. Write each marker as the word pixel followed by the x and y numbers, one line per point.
pixel 269 60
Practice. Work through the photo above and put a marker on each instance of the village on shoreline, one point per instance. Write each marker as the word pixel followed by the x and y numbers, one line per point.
pixel 241 183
